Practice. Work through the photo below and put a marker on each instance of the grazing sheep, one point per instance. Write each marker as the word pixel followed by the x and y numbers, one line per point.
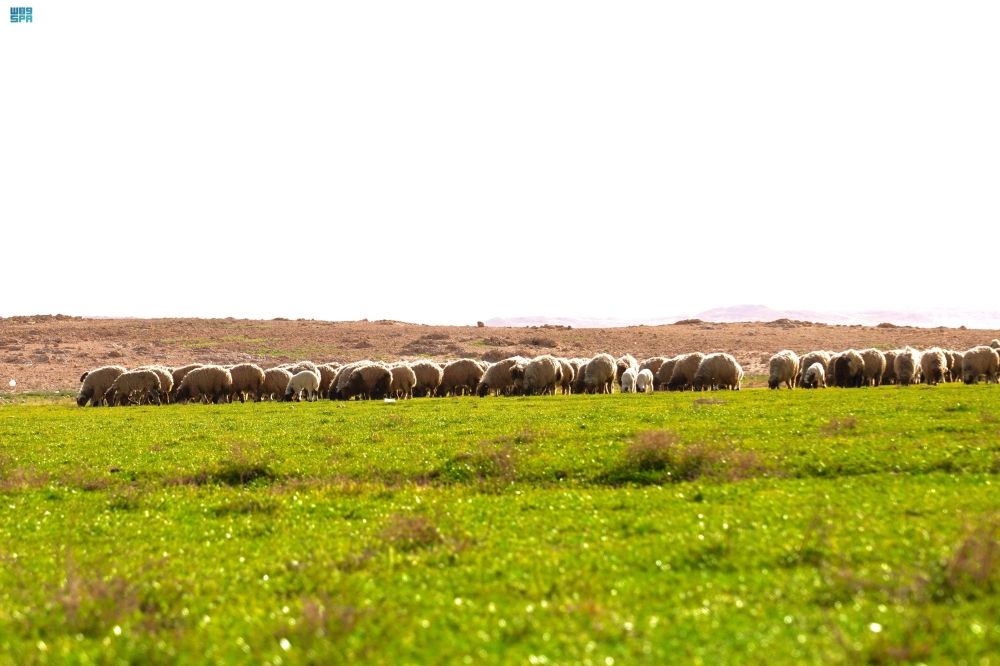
pixel 665 372
pixel 429 376
pixel 541 374
pixel 848 369
pixel 907 366
pixel 338 390
pixel 599 374
pixel 299 366
pixel 499 377
pixel 275 382
pixel 568 375
pixel 208 381
pixel 628 380
pixel 302 384
pixel 644 381
pixel 934 366
pixel 653 364
pixel 327 376
pixel 96 383
pixel 981 361
pixel 460 377
pixel 371 381
pixel 180 373
pixel 403 380
pixel 955 366
pixel 874 366
pixel 685 369
pixel 143 384
pixel 995 343
pixel 622 364
pixel 784 369
pixel 248 382
pixel 821 357
pixel 814 376
pixel 166 380
pixel 719 370
pixel 889 374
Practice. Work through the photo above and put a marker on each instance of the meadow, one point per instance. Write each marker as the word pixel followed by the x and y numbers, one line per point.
pixel 832 526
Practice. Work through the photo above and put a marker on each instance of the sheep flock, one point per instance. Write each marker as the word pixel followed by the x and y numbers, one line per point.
pixel 543 375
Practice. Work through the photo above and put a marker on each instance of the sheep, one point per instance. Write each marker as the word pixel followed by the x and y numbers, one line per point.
pixel 144 384
pixel 275 382
pixel 784 369
pixel 599 374
pixel 180 373
pixel 166 379
pixel 719 370
pixel 906 366
pixel 980 361
pixel 248 381
pixel 622 364
pixel 498 378
pixel 210 381
pixel 371 381
pixel 814 376
pixel 541 374
pixel 934 366
pixel 644 381
pixel 682 378
pixel 995 343
pixel 403 380
pixel 653 364
pixel 628 380
pixel 579 377
pixel 327 376
pixel 664 373
pixel 338 390
pixel 955 367
pixel 302 384
pixel 299 366
pixel 889 374
pixel 848 369
pixel 460 376
pixel 429 376
pixel 568 375
pixel 95 384
pixel 821 357
pixel 874 366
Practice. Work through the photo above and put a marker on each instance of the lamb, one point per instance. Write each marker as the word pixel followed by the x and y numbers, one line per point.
pixel 429 376
pixel 368 380
pixel 499 378
pixel 784 369
pixel 166 379
pixel 403 380
pixel 622 364
pixel 275 382
pixel 934 366
pixel 644 381
pixel 541 374
pixel 889 374
pixel 848 369
pixel 248 381
pixel 874 366
pixel 907 366
pixel 980 361
pixel 821 357
pixel 599 374
pixel 814 376
pixel 95 383
pixel 665 372
pixel 719 370
pixel 302 384
pixel 208 381
pixel 685 369
pixel 144 384
pixel 459 377
pixel 628 380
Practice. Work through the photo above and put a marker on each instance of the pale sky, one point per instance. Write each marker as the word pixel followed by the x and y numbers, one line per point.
pixel 444 162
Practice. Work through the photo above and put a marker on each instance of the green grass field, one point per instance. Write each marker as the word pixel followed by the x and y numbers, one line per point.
pixel 836 526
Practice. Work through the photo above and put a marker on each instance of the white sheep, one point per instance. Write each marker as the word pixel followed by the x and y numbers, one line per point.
pixel 820 356
pixel 541 374
pixel 95 383
pixel 907 366
pixel 719 370
pixel 599 374
pixel 628 380
pixel 814 376
pixel 143 384
pixel 979 362
pixel 644 381
pixel 685 368
pixel 207 381
pixel 784 369
pixel 303 384
pixel 934 366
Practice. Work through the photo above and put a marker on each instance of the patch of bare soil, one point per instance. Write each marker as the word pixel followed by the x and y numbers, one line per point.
pixel 45 353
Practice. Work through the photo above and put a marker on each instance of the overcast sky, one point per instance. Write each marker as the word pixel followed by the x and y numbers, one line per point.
pixel 445 162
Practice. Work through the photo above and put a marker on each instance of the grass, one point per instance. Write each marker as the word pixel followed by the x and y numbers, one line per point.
pixel 837 526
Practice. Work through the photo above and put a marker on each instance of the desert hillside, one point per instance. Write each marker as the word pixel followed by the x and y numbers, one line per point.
pixel 50 352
